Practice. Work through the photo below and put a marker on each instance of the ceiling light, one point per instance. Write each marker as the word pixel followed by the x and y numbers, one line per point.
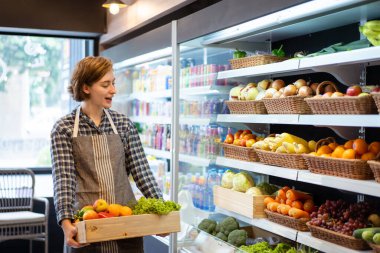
pixel 114 6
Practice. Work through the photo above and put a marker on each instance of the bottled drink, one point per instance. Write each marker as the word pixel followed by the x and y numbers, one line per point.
pixel 213 178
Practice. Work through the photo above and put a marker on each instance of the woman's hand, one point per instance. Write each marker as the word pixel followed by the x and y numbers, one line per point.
pixel 70 231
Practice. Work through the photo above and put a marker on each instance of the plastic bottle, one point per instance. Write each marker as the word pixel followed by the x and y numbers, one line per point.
pixel 200 192
pixel 213 178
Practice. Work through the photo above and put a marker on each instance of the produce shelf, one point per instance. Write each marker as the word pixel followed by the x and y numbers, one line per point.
pixel 368 187
pixel 258 168
pixel 265 224
pixel 325 246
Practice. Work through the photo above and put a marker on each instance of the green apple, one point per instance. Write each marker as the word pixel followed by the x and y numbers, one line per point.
pixel 363 94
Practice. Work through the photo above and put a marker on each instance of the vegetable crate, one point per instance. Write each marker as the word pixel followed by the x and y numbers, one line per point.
pixel 238 202
pixel 107 229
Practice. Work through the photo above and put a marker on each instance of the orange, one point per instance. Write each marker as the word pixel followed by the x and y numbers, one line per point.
pixel 125 211
pixel 368 156
pixel 114 209
pixel 374 147
pixel 326 155
pixel 324 150
pixel 348 144
pixel 360 146
pixel 333 145
pixel 338 152
pixel 349 154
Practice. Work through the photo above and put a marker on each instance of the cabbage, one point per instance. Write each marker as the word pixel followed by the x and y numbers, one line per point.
pixel 254 191
pixel 227 179
pixel 242 181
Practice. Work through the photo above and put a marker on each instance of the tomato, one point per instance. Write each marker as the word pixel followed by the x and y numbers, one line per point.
pixel 105 215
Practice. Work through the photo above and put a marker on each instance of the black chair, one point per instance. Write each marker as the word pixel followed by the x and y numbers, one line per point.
pixel 17 219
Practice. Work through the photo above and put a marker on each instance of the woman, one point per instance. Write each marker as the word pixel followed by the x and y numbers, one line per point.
pixel 94 150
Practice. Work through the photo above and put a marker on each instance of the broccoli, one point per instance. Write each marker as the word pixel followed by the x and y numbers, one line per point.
pixel 207 225
pixel 237 237
pixel 222 236
pixel 228 225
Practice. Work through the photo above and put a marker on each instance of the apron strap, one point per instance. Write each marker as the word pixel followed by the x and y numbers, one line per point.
pixel 76 122
pixel 111 121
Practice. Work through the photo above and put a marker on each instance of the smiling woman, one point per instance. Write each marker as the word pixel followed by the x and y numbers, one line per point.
pixel 33 78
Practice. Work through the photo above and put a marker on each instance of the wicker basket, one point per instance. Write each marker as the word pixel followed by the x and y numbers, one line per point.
pixel 239 152
pixel 287 105
pixel 376 98
pixel 254 60
pixel 292 161
pixel 246 107
pixel 375 247
pixel 375 167
pixel 337 238
pixel 339 167
pixel 340 105
pixel 298 224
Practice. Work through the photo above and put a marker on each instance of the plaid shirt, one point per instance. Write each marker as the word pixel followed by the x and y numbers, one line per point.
pixel 64 176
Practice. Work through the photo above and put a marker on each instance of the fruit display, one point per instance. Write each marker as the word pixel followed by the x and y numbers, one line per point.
pixel 371 29
pixel 244 138
pixel 285 143
pixel 102 209
pixel 278 89
pixel 341 216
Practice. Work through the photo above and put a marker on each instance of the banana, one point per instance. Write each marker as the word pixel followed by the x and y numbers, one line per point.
pixel 281 149
pixel 289 147
pixel 370 33
pixel 373 25
pixel 374 41
pixel 300 148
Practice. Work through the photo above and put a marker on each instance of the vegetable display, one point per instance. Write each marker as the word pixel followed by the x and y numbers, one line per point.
pixel 154 206
pixel 239 54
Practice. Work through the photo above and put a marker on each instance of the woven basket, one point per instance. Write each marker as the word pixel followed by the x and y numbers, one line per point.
pixel 254 60
pixel 375 167
pixel 239 152
pixel 337 238
pixel 298 224
pixel 340 105
pixel 375 247
pixel 287 105
pixel 246 107
pixel 376 98
pixel 292 161
pixel 348 168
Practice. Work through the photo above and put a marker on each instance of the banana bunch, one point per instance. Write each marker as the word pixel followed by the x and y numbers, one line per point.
pixel 285 143
pixel 371 30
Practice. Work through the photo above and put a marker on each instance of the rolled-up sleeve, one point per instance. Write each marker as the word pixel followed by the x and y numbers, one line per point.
pixel 63 172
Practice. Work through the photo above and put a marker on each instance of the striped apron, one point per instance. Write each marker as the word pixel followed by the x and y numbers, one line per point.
pixel 101 173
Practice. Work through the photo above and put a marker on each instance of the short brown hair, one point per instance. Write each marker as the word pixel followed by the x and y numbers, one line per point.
pixel 88 71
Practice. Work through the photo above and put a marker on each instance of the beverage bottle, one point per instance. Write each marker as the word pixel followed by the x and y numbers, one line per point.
pixel 163 137
pixel 213 178
pixel 200 192
pixel 195 190
pixel 168 139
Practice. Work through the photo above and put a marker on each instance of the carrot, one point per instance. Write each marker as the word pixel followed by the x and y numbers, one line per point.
pixel 279 207
pixel 268 200
pixel 281 194
pixel 297 204
pixel 285 188
pixel 272 206
pixel 297 195
pixel 308 206
pixel 298 213
pixel 288 202
pixel 285 209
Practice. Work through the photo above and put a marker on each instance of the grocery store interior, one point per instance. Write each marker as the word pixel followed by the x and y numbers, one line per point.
pixel 260 118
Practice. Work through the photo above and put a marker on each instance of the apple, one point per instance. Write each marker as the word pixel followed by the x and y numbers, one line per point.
pixel 249 143
pixel 363 94
pixel 236 142
pixel 229 139
pixel 299 83
pixel 244 91
pixel 277 84
pixel 100 205
pixel 251 93
pixel 248 136
pixel 237 134
pixel 354 90
pixel 327 94
pixel 242 142
pixel 264 84
pixel 376 89
pixel 90 215
pixel 235 92
pixel 337 94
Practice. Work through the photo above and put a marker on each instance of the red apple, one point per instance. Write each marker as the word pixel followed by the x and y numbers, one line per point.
pixel 237 134
pixel 376 89
pixel 354 90
pixel 229 139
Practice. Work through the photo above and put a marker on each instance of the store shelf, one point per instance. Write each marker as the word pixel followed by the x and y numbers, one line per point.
pixel 151 95
pixel 325 246
pixel 151 119
pixel 370 120
pixel 268 69
pixel 258 168
pixel 157 153
pixel 368 187
pixel 263 224
pixel 195 160
pixel 259 118
pixel 204 90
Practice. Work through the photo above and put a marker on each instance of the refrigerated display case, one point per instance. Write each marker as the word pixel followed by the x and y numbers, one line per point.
pixel 310 27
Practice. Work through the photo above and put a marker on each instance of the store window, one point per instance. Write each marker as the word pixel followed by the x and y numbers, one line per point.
pixel 34 75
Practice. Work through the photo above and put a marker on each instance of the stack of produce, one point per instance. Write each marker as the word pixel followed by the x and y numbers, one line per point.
pixel 240 182
pixel 264 247
pixel 227 230
pixel 243 138
pixel 285 143
pixel 291 202
pixel 102 209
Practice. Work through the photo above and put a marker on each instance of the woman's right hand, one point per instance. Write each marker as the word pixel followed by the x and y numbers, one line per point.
pixel 70 231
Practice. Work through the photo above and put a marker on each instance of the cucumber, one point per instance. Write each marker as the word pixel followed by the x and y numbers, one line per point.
pixel 358 232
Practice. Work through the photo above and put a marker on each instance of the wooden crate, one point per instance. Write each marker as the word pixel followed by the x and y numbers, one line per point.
pixel 107 229
pixel 239 202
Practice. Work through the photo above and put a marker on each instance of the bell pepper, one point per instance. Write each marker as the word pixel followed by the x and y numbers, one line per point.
pixel 105 215
pixel 278 52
